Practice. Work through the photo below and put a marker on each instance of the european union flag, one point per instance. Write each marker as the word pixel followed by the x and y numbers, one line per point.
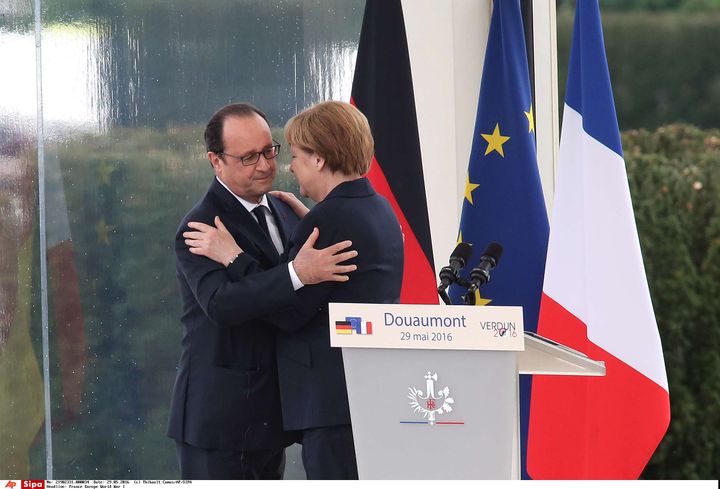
pixel 503 197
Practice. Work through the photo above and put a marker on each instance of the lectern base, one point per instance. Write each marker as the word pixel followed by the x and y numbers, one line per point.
pixel 389 405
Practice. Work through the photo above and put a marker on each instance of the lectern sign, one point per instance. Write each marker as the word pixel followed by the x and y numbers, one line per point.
pixel 426 327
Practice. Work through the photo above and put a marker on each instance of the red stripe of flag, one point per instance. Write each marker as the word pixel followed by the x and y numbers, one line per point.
pixel 584 412
pixel 418 285
pixel 383 91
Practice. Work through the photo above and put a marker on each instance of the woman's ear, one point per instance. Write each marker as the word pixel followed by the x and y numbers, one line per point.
pixel 319 163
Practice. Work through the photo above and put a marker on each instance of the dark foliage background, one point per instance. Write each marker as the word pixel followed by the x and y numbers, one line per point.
pixel 674 175
pixel 662 65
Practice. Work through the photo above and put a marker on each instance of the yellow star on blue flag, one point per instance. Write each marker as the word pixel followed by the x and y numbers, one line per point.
pixel 495 141
pixel 469 187
pixel 531 119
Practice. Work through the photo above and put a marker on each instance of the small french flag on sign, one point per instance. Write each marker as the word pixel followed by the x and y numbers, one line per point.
pixel 366 327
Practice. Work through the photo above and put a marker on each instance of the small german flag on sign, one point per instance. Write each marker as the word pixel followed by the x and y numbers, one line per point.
pixel 343 327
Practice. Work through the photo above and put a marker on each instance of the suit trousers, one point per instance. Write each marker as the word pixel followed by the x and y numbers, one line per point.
pixel 328 453
pixel 203 464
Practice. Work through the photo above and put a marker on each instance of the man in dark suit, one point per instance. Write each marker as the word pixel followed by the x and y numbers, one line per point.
pixel 225 411
pixel 332 148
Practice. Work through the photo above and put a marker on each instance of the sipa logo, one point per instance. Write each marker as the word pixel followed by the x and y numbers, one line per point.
pixel 11 484
pixel 33 484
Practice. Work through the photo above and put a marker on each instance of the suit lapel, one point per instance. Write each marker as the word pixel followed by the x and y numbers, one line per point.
pixel 247 231
pixel 244 228
pixel 282 219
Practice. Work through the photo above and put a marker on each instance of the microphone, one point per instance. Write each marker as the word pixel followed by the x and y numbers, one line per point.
pixel 480 275
pixel 458 259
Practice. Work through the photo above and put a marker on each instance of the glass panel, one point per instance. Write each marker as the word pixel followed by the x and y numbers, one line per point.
pixel 21 384
pixel 128 86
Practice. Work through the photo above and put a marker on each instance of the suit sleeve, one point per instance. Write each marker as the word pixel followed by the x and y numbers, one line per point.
pixel 241 293
pixel 311 299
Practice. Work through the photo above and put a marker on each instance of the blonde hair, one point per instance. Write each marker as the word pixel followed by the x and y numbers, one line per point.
pixel 337 132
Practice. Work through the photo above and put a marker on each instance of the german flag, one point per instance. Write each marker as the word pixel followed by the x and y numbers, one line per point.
pixel 383 91
pixel 343 327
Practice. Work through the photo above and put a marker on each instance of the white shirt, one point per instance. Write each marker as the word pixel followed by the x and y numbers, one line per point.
pixel 272 228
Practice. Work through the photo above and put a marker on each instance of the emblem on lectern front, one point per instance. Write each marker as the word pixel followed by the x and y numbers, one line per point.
pixel 430 403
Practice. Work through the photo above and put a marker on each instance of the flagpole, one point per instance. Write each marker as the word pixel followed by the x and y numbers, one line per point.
pixel 547 117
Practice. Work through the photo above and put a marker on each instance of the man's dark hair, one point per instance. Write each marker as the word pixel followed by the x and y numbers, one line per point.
pixel 214 128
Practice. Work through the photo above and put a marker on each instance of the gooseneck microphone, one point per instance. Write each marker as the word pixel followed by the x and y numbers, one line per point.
pixel 449 274
pixel 480 275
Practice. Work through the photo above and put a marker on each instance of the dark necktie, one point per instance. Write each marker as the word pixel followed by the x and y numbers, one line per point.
pixel 259 212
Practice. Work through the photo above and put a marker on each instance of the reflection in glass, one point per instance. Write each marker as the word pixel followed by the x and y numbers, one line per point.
pixel 70 72
pixel 127 88
pixel 21 386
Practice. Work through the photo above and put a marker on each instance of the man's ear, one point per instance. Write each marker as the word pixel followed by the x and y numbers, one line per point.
pixel 215 160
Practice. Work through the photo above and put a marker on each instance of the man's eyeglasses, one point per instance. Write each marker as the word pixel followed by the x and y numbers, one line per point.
pixel 252 159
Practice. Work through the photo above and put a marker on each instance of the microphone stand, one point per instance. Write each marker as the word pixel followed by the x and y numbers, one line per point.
pixel 468 298
pixel 443 295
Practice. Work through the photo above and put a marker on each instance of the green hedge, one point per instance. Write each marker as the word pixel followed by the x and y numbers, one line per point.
pixel 662 65
pixel 674 176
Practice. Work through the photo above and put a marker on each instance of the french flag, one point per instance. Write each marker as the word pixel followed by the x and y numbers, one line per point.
pixel 360 326
pixel 595 294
